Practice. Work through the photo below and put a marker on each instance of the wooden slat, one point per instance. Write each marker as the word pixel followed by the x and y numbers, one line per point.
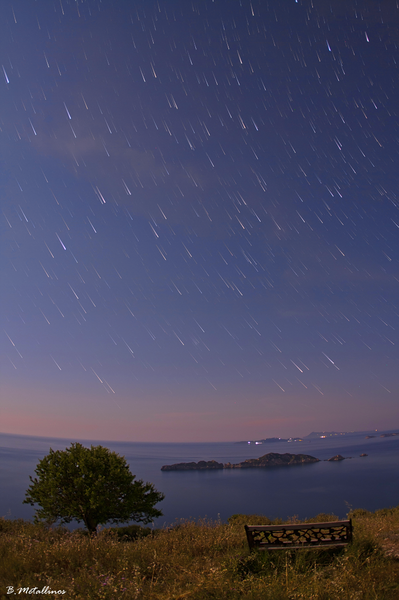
pixel 299 546
pixel 296 526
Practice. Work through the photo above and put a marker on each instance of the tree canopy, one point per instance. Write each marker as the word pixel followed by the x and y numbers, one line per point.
pixel 93 485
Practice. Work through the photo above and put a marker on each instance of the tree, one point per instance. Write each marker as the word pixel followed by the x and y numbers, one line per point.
pixel 91 485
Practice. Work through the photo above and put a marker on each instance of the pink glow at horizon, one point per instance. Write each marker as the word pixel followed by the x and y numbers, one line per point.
pixel 73 416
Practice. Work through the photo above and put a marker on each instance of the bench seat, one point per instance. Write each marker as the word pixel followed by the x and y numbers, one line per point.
pixel 330 534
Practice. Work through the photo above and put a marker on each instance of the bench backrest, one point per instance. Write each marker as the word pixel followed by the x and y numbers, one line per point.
pixel 299 535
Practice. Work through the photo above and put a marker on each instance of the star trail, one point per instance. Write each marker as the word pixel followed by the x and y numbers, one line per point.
pixel 199 218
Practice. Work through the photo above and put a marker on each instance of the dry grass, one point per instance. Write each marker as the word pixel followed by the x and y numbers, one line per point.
pixel 200 561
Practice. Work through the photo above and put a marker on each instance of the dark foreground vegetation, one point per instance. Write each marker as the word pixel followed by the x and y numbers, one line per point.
pixel 199 561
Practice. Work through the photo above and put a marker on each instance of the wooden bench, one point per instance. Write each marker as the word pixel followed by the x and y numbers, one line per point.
pixel 334 534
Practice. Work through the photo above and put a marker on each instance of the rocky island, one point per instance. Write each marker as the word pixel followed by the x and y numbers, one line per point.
pixel 336 458
pixel 268 460
pixel 273 460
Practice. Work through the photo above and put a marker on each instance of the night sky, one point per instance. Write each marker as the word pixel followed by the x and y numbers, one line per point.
pixel 199 227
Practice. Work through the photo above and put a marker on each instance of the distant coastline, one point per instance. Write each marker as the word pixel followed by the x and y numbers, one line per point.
pixel 318 435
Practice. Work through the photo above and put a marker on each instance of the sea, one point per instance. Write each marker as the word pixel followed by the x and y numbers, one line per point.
pixel 304 491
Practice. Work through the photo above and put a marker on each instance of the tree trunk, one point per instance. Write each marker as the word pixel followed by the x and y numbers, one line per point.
pixel 90 524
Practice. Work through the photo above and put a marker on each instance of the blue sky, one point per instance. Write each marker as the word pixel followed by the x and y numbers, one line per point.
pixel 199 218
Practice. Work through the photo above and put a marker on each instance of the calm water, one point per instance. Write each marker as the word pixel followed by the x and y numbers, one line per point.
pixel 306 490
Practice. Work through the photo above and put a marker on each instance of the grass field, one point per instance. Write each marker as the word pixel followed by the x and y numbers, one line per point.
pixel 199 560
